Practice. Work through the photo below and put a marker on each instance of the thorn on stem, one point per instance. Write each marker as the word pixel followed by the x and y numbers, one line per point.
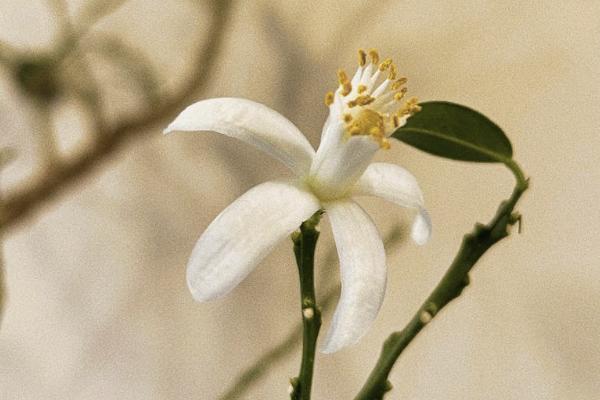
pixel 425 317
pixel 516 218
pixel 308 313
pixel 295 236
pixel 388 386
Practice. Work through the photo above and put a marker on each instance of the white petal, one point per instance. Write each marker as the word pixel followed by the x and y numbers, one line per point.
pixel 340 161
pixel 243 234
pixel 395 184
pixel 362 271
pixel 421 228
pixel 252 123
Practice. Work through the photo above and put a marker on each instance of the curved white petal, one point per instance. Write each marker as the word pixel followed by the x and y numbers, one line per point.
pixel 252 123
pixel 243 234
pixel 340 161
pixel 421 228
pixel 362 271
pixel 395 184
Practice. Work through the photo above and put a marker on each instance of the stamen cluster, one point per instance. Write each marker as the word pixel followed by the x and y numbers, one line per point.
pixel 369 109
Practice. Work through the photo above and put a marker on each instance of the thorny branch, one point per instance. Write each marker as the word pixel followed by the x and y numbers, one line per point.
pixel 456 278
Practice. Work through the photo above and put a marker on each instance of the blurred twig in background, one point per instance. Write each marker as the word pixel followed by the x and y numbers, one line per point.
pixel 6 156
pixel 37 76
pixel 44 76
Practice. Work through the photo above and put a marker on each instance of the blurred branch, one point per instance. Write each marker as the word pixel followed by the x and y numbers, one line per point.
pixel 6 156
pixel 47 148
pixel 7 54
pixel 87 90
pixel 94 11
pixel 61 10
pixel 282 349
pixel 132 61
pixel 22 204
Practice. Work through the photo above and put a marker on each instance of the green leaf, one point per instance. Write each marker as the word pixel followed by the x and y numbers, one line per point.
pixel 457 132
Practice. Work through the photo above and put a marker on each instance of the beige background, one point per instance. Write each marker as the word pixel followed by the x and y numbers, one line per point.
pixel 98 305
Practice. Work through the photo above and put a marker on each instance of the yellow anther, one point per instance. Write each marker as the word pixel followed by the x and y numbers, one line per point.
pixel 362 57
pixel 397 84
pixel 410 107
pixel 395 121
pixel 376 132
pixel 364 100
pixel 346 88
pixel 354 130
pixel 342 76
pixel 347 118
pixel 374 55
pixel 385 144
pixel 352 103
pixel 344 82
pixel 393 72
pixel 400 95
pixel 366 122
pixel 329 99
pixel 361 89
pixel 385 65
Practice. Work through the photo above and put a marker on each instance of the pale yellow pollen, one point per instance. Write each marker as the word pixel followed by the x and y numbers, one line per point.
pixel 346 88
pixel 385 65
pixel 362 89
pixel 362 57
pixel 374 55
pixel 364 100
pixel 353 131
pixel 397 84
pixel 329 99
pixel 368 123
pixel 384 143
pixel 342 76
pixel 400 95
pixel 344 82
pixel 410 107
pixel 393 72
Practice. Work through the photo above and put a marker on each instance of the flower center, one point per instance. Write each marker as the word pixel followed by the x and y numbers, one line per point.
pixel 367 122
pixel 369 107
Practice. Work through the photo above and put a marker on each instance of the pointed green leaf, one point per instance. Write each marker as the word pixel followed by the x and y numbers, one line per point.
pixel 457 132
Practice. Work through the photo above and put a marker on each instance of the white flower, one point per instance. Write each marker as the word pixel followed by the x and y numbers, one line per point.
pixel 362 115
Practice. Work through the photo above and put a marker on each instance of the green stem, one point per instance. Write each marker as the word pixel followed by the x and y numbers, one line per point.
pixel 473 246
pixel 305 242
pixel 279 351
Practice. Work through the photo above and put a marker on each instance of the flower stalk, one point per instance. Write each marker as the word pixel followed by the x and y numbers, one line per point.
pixel 305 242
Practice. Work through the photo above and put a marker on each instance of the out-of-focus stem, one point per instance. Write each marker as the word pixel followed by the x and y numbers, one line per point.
pixel 23 203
